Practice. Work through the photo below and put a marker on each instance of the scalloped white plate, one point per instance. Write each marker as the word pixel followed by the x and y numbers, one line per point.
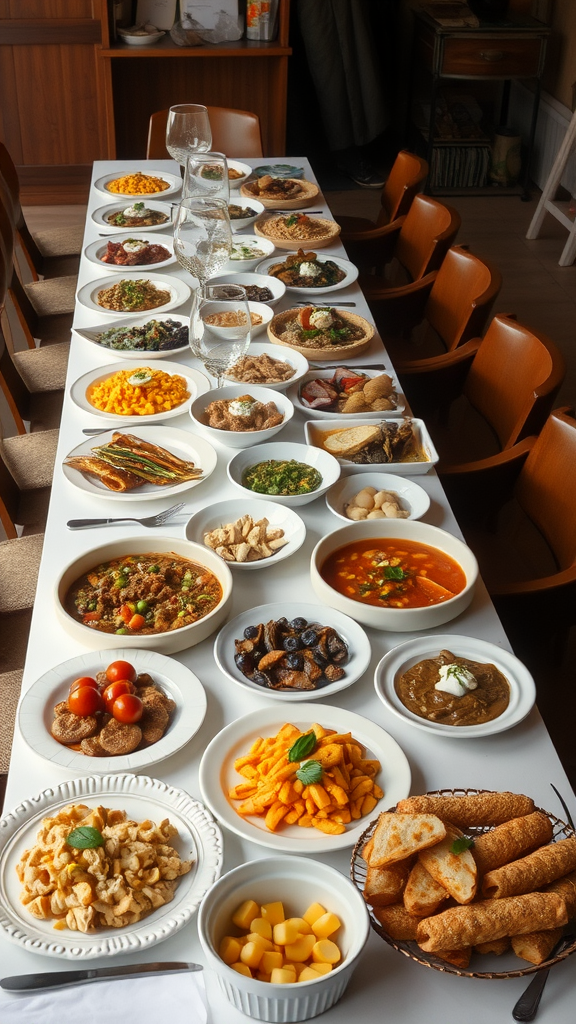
pixel 198 837
pixel 173 185
pixel 349 269
pixel 35 713
pixel 196 383
pixel 179 293
pixel 100 217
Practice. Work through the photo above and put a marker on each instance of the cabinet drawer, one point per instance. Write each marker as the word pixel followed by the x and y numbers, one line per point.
pixel 495 56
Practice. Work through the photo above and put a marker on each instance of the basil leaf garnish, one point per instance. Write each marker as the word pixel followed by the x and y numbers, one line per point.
pixel 304 745
pixel 85 838
pixel 394 572
pixel 459 845
pixel 309 772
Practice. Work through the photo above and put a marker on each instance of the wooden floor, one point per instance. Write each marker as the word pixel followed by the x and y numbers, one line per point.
pixel 543 296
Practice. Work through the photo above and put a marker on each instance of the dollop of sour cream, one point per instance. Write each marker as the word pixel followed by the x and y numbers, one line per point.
pixel 455 679
pixel 309 270
pixel 134 245
pixel 238 408
pixel 136 210
pixel 321 318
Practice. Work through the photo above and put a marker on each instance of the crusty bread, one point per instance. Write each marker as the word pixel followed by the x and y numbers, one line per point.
pixel 384 886
pixel 456 872
pixel 348 442
pixel 397 836
pixel 423 894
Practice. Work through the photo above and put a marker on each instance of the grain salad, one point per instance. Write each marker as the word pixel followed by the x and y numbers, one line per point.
pixel 133 296
pixel 137 184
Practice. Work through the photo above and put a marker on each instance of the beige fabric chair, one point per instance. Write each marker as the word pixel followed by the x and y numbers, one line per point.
pixel 52 297
pixel 33 384
pixel 10 687
pixel 26 470
pixel 19 565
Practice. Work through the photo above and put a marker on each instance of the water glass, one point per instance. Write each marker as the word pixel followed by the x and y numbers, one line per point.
pixel 220 327
pixel 187 131
pixel 202 237
pixel 206 174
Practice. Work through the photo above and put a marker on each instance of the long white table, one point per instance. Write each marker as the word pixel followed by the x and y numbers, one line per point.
pixel 386 985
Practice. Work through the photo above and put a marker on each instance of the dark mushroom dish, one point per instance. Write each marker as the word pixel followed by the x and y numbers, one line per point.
pixel 296 655
pixel 140 594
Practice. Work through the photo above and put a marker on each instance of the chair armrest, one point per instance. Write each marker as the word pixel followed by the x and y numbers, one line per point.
pixel 477 490
pixel 510 461
pixel 565 578
pixel 398 310
pixel 376 232
pixel 375 248
pixel 431 385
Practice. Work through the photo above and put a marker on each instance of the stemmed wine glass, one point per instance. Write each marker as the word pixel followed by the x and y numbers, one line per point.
pixel 187 131
pixel 206 174
pixel 220 327
pixel 202 237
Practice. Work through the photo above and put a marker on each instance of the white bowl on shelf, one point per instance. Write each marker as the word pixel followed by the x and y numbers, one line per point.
pixel 297 883
pixel 240 438
pixel 166 643
pixel 278 288
pixel 241 223
pixel 222 512
pixel 398 620
pixel 413 498
pixel 326 465
pixel 138 40
pixel 296 360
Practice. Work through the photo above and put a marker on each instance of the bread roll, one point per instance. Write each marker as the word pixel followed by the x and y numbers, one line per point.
pixel 566 888
pixel 536 946
pixel 459 927
pixel 532 872
pixel 397 922
pixel 511 840
pixel 476 809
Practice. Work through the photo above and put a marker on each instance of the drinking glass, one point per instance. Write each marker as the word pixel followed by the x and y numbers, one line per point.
pixel 220 327
pixel 206 174
pixel 202 237
pixel 187 131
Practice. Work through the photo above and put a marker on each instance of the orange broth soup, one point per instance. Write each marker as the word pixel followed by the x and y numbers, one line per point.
pixel 393 573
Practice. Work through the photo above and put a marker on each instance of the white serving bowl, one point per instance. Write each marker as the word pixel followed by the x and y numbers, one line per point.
pixel 398 620
pixel 316 430
pixel 297 882
pixel 413 498
pixel 296 360
pixel 240 223
pixel 262 245
pixel 263 310
pixel 326 465
pixel 223 512
pixel 146 40
pixel 278 288
pixel 244 169
pixel 240 438
pixel 166 643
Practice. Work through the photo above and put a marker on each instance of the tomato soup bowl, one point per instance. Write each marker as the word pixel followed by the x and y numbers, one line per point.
pixel 166 643
pixel 397 620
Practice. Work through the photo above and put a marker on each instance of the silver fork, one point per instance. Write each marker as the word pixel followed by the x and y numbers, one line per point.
pixel 157 520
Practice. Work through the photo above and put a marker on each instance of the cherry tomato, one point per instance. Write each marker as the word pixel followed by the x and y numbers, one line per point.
pixel 114 690
pixel 121 670
pixel 83 681
pixel 127 708
pixel 85 701
pixel 136 622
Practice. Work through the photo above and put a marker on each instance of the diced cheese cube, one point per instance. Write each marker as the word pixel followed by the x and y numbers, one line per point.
pixel 302 925
pixel 301 949
pixel 262 976
pixel 326 925
pixel 252 953
pixel 262 926
pixel 285 932
pixel 308 974
pixel 281 976
pixel 273 912
pixel 326 952
pixel 230 949
pixel 242 969
pixel 321 968
pixel 260 940
pixel 315 910
pixel 270 960
pixel 245 914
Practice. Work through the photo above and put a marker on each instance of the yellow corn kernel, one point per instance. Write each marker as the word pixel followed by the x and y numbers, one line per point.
pixel 326 925
pixel 301 949
pixel 259 940
pixel 245 914
pixel 242 969
pixel 273 912
pixel 270 961
pixel 230 949
pixel 321 968
pixel 325 952
pixel 283 976
pixel 315 910
pixel 286 932
pixel 262 927
pixel 252 953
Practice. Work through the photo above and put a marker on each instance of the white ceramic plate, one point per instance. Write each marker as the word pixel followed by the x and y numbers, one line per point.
pixel 100 217
pixel 400 659
pixel 196 383
pixel 181 443
pixel 321 414
pixel 240 438
pixel 217 775
pixel 413 498
pixel 141 798
pixel 35 713
pixel 96 250
pixel 349 268
pixel 260 246
pixel 173 181
pixel 223 512
pixel 359 652
pixel 403 468
pixel 92 334
pixel 296 360
pixel 179 293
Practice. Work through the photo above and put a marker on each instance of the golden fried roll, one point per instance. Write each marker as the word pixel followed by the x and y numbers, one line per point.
pixel 458 927
pixel 496 947
pixel 458 957
pixel 114 478
pixel 566 888
pixel 511 840
pixel 397 922
pixel 536 946
pixel 532 872
pixel 384 886
pixel 477 809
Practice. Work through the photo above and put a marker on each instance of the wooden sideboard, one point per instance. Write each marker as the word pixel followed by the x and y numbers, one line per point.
pixel 71 96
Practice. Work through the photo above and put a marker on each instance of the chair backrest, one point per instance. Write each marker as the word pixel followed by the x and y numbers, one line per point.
pixel 9 495
pixel 234 133
pixel 10 185
pixel 6 235
pixel 426 235
pixel 462 296
pixel 546 487
pixel 408 173
pixel 11 384
pixel 514 379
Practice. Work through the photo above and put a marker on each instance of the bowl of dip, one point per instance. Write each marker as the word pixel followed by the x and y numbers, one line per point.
pixel 239 415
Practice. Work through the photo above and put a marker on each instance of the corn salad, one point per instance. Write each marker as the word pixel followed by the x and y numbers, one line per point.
pixel 116 395
pixel 137 184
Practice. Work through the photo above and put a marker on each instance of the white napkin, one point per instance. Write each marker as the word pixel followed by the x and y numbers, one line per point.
pixel 177 998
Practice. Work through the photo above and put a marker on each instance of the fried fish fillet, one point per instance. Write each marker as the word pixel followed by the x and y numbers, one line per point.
pixel 113 477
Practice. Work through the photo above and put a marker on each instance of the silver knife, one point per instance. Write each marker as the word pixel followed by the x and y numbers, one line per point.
pixel 65 979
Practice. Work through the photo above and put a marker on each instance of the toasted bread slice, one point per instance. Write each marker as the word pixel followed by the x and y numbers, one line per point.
pixel 117 738
pixel 348 442
pixel 70 728
pixel 423 894
pixel 366 852
pixel 384 886
pixel 153 723
pixel 457 872
pixel 397 836
pixel 458 957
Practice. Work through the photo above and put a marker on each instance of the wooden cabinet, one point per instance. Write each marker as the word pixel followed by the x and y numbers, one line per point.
pixel 70 96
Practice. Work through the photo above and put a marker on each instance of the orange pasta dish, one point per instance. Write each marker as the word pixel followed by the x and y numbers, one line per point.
pixel 138 392
pixel 137 184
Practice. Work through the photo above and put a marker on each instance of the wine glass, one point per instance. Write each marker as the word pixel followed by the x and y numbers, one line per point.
pixel 220 327
pixel 187 131
pixel 206 174
pixel 202 237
